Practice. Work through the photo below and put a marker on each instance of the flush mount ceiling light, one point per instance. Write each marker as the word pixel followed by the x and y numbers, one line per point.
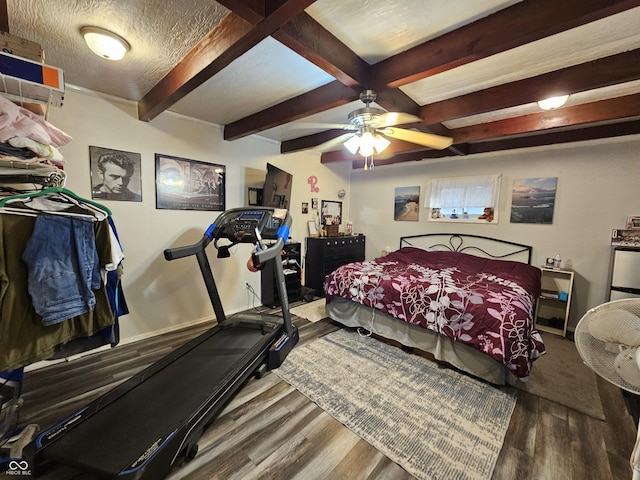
pixel 104 43
pixel 553 102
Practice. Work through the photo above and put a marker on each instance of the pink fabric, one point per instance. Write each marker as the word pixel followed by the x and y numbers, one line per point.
pixel 16 121
pixel 487 304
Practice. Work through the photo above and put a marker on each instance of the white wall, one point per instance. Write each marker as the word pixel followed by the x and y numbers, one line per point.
pixel 598 187
pixel 164 295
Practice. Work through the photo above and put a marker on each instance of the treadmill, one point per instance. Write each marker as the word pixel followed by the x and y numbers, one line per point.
pixel 152 422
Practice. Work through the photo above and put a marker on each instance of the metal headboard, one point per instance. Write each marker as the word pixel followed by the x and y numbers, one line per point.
pixel 460 242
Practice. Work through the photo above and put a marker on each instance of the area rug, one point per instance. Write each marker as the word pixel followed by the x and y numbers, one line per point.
pixel 312 311
pixel 435 423
pixel 561 376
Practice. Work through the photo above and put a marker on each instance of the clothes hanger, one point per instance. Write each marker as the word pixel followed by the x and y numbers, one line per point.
pixel 31 212
pixel 62 193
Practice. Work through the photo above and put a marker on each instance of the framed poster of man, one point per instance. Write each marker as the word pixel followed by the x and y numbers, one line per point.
pixel 115 175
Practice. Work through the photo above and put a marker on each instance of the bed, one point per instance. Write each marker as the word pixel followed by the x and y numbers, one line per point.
pixel 468 300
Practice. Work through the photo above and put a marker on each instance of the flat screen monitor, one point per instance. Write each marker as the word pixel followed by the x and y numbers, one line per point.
pixel 277 188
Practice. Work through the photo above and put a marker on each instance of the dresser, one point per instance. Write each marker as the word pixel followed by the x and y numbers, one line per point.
pixel 324 255
pixel 290 257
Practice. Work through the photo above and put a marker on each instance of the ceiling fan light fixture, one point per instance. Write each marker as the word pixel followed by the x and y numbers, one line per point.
pixel 104 43
pixel 353 144
pixel 380 143
pixel 366 143
pixel 553 102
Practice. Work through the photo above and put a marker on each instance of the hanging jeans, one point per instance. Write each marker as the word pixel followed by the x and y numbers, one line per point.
pixel 63 266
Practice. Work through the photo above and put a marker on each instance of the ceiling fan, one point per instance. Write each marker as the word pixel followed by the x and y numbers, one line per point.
pixel 369 128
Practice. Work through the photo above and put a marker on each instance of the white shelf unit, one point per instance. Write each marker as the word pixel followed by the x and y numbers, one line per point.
pixel 24 80
pixel 554 303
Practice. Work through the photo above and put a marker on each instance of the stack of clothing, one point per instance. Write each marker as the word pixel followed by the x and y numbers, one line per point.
pixel 27 140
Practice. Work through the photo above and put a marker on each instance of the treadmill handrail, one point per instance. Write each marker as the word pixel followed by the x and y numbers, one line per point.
pixel 187 250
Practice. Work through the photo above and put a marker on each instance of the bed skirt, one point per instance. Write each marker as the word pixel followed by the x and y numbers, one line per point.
pixel 463 357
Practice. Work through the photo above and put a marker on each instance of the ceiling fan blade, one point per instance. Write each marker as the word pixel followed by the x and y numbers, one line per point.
pixel 324 126
pixel 395 118
pixel 430 140
pixel 334 142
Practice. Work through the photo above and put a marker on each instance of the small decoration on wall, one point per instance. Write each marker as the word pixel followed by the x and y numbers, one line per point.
pixel 313 181
pixel 633 222
pixel 183 184
pixel 406 204
pixel 115 175
pixel 341 193
pixel 314 203
pixel 305 207
pixel 533 200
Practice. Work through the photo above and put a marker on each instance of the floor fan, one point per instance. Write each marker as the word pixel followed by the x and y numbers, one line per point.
pixel 608 340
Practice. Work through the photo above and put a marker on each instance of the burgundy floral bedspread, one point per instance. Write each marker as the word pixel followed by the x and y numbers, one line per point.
pixel 485 303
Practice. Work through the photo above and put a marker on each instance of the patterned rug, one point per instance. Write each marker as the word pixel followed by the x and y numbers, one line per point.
pixel 435 423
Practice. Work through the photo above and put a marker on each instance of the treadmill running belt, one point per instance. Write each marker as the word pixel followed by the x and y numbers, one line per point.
pixel 118 433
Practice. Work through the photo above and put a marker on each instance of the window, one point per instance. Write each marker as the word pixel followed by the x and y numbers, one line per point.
pixel 460 199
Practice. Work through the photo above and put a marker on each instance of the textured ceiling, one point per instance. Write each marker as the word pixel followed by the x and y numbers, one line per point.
pixel 280 73
pixel 159 39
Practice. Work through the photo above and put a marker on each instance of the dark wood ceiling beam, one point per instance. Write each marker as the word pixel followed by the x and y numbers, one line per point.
pixel 309 141
pixel 231 38
pixel 309 39
pixel 4 16
pixel 618 129
pixel 615 109
pixel 511 27
pixel 322 98
pixel 313 42
pixel 226 42
pixel 253 11
pixel 620 68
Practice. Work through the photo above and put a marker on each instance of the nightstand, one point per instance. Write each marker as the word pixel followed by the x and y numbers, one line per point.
pixel 554 303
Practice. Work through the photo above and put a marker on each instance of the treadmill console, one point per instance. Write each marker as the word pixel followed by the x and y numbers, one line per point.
pixel 242 229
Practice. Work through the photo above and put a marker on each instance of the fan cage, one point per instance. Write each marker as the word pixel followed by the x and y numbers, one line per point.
pixel 599 355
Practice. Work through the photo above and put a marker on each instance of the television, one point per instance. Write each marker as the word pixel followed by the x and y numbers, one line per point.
pixel 276 191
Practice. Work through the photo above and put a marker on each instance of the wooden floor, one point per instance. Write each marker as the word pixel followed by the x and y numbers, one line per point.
pixel 271 431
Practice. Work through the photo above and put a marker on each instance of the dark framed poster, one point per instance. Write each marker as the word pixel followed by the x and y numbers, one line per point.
pixel 183 184
pixel 115 174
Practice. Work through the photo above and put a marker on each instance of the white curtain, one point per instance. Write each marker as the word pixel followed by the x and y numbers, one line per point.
pixel 465 192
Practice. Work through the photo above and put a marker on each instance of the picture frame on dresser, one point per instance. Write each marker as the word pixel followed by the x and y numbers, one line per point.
pixel 331 213
pixel 313 228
